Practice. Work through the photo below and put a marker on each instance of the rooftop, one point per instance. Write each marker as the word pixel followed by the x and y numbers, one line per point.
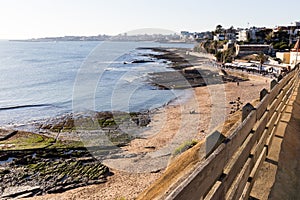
pixel 296 47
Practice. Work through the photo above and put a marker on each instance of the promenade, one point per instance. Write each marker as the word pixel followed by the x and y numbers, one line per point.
pixel 279 177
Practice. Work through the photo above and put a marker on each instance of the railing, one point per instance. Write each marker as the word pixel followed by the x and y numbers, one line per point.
pixel 230 170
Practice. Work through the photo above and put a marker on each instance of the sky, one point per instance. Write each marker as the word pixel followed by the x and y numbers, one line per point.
pixel 25 19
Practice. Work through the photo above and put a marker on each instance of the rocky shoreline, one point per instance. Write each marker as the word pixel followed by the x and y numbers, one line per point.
pixel 112 124
pixel 54 161
pixel 184 74
pixel 32 164
pixel 44 171
pixel 57 160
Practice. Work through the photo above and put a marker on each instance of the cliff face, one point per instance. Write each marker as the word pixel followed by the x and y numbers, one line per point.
pixel 287 183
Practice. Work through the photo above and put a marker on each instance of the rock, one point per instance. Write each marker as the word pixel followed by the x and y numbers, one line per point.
pixel 150 147
pixel 142 61
pixel 56 189
pixel 50 169
pixel 192 112
pixel 46 126
pixel 5 134
pixel 12 192
pixel 91 182
pixel 4 171
pixel 85 159
pixel 156 171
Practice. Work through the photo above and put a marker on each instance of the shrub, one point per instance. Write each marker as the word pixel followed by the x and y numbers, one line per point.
pixel 185 146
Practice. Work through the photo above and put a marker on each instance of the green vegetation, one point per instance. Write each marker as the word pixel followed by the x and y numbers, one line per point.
pixel 262 58
pixel 225 56
pixel 282 45
pixel 25 140
pixel 185 146
pixel 121 198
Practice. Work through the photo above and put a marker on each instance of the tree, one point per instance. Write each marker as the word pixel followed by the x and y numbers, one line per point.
pixel 281 45
pixel 215 46
pixel 262 58
pixel 219 56
pixel 219 29
pixel 229 55
pixel 225 56
pixel 231 30
pixel 269 37
pixel 265 35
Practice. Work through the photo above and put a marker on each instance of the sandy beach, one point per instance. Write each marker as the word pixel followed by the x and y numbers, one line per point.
pixel 180 121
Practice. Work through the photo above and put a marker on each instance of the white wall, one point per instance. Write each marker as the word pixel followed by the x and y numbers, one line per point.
pixel 294 56
pixel 242 35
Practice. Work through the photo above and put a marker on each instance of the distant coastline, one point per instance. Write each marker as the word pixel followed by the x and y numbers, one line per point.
pixel 119 38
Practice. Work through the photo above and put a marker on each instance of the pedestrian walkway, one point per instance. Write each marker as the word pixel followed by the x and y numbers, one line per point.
pixel 279 177
pixel 287 182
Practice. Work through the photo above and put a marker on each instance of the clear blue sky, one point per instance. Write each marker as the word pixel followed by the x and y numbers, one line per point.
pixel 20 19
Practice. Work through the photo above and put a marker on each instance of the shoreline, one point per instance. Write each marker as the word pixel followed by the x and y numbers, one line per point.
pixel 170 126
pixel 129 185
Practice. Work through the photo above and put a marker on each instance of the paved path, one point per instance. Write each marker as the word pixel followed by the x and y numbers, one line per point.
pixel 287 182
pixel 279 177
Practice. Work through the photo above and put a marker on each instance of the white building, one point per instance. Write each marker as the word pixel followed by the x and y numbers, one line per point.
pixel 245 34
pixel 296 24
pixel 242 35
pixel 295 54
pixel 219 37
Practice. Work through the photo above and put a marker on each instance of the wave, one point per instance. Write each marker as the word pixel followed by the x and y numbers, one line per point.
pixel 26 106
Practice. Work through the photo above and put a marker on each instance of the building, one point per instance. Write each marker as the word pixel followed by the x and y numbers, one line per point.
pixel 293 30
pixel 294 55
pixel 284 57
pixel 292 58
pixel 248 49
pixel 252 33
pixel 185 35
pixel 203 36
pixel 230 36
pixel 242 35
pixel 219 37
pixel 229 44
pixel 297 24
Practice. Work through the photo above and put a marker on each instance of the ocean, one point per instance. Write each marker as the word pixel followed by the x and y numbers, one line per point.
pixel 42 80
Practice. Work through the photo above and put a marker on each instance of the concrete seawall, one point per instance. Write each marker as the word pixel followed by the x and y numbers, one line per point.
pixel 287 182
pixel 239 166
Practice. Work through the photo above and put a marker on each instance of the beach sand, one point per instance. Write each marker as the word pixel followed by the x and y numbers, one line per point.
pixel 171 126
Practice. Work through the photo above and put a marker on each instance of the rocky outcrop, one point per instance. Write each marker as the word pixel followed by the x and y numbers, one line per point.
pixel 5 134
pixel 29 173
pixel 114 125
pixel 188 71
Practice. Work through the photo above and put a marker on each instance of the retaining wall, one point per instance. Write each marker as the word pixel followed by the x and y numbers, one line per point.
pixel 230 170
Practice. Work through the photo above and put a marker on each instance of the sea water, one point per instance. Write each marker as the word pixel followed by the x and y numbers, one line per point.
pixel 41 80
